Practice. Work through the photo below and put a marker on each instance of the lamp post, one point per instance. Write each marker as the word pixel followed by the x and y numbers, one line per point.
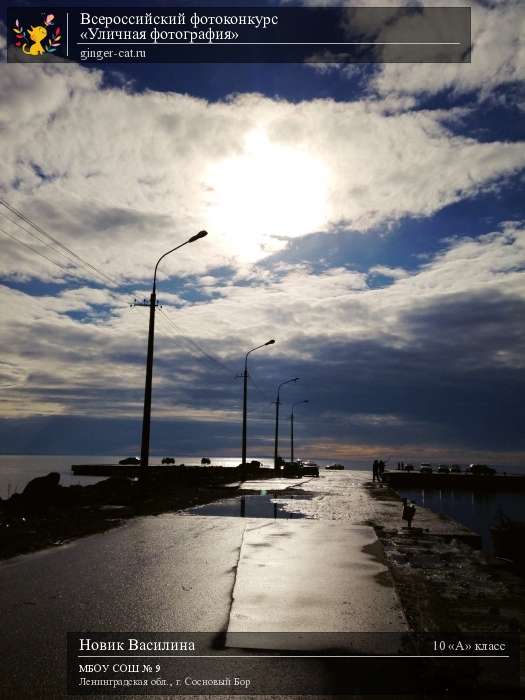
pixel 291 426
pixel 245 397
pixel 277 403
pixel 146 419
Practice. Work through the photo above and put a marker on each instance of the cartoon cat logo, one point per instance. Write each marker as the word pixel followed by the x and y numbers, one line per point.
pixel 37 35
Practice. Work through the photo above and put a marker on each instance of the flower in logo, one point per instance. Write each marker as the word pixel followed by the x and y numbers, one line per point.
pixel 39 40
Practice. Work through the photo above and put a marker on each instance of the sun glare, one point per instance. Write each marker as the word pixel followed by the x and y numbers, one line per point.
pixel 267 193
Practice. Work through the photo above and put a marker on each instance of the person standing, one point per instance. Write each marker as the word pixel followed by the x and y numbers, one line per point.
pixel 409 510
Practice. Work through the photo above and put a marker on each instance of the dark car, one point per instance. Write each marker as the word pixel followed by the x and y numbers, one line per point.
pixel 425 469
pixel 168 460
pixel 335 466
pixel 309 470
pixel 250 468
pixel 130 461
pixel 292 470
pixel 480 470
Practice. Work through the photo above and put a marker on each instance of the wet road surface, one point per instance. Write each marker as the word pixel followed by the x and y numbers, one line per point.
pixel 163 573
pixel 191 573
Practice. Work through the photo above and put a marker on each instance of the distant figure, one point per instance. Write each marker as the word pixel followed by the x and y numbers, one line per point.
pixel 381 469
pixel 375 470
pixel 409 510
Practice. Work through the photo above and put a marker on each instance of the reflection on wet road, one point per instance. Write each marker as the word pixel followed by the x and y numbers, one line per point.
pixel 262 505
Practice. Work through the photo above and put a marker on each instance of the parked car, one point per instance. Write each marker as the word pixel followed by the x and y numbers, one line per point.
pixel 130 461
pixel 205 460
pixel 292 470
pixel 455 469
pixel 443 469
pixel 251 467
pixel 335 466
pixel 480 470
pixel 309 470
pixel 168 460
pixel 425 469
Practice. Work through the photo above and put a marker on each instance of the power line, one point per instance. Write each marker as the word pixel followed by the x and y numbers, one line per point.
pixel 213 358
pixel 38 252
pixel 38 228
pixel 262 392
pixel 197 347
pixel 47 244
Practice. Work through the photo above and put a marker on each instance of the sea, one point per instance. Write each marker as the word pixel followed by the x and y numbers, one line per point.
pixel 477 510
pixel 17 470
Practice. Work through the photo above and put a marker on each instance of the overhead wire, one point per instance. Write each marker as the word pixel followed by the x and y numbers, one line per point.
pixel 196 345
pixel 85 263
pixel 47 244
pixel 38 252
pixel 261 391
pixel 213 358
pixel 209 356
pixel 57 247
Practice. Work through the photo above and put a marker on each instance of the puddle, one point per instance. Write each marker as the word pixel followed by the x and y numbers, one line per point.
pixel 253 506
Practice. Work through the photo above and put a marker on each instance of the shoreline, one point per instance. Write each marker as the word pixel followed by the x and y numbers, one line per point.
pixel 50 515
pixel 444 582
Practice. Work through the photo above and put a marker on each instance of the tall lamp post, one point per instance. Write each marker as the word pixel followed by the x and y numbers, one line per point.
pixel 291 426
pixel 245 396
pixel 146 419
pixel 277 403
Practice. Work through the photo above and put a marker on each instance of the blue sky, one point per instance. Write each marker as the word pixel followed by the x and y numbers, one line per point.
pixel 370 218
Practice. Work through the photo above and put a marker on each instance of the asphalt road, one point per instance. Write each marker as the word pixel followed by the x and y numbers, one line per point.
pixel 174 573
pixel 163 573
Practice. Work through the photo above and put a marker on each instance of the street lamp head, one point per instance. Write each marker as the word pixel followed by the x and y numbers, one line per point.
pixel 196 237
pixel 270 342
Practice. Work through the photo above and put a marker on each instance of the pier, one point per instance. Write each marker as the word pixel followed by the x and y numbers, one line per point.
pixel 332 566
pixel 494 482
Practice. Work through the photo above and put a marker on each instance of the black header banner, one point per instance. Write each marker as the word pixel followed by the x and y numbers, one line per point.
pixel 239 34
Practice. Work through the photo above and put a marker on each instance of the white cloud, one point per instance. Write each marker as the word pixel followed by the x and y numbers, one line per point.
pixel 395 273
pixel 121 177
pixel 498 57
pixel 95 366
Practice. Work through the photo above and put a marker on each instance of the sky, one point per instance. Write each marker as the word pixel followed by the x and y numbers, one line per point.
pixel 370 218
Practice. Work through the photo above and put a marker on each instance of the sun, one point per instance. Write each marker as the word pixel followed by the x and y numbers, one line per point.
pixel 266 194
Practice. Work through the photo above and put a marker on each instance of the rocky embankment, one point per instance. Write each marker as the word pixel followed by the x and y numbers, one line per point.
pixel 47 514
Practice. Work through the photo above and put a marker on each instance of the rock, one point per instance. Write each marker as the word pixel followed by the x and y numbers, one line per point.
pixel 116 490
pixel 43 490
